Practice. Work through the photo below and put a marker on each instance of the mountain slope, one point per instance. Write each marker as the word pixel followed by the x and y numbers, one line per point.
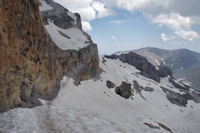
pixel 184 63
pixel 176 60
pixel 191 75
pixel 92 107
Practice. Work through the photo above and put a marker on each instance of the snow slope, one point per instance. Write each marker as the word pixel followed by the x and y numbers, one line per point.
pixel 44 6
pixel 65 39
pixel 92 107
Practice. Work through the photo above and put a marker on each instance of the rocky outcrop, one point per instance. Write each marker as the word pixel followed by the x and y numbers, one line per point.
pixel 124 90
pixel 59 15
pixel 164 71
pixel 31 64
pixel 110 84
pixel 139 62
pixel 180 99
pixel 195 96
pixel 176 98
pixel 137 87
pixel 148 89
pixel 178 85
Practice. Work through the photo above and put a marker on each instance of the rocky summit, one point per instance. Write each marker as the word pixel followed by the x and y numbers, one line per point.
pixel 31 63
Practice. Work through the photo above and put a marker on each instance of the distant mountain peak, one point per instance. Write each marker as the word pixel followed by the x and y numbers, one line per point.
pixel 180 61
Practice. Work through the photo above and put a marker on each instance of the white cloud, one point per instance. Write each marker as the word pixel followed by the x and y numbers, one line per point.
pixel 88 9
pixel 181 26
pixel 132 5
pixel 113 38
pixel 117 21
pixel 86 26
pixel 100 9
pixel 164 37
pixel 180 36
pixel 187 35
pixel 83 7
pixel 174 21
pixel 178 15
pixel 87 14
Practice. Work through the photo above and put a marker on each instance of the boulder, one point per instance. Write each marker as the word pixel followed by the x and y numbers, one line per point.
pixel 110 84
pixel 124 90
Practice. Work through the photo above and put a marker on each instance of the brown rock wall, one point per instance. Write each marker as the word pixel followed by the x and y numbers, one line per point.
pixel 31 65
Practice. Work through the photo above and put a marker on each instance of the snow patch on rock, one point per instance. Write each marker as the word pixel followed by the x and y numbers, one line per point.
pixel 44 6
pixel 75 40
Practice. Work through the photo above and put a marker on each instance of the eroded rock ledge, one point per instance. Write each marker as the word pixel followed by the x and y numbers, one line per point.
pixel 31 65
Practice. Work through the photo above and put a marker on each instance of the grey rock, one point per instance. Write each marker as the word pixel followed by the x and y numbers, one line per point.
pixel 64 35
pixel 195 96
pixel 165 127
pixel 25 90
pixel 176 98
pixel 139 62
pixel 178 85
pixel 110 84
pixel 151 125
pixel 148 89
pixel 59 16
pixel 164 71
pixel 137 87
pixel 103 60
pixel 124 90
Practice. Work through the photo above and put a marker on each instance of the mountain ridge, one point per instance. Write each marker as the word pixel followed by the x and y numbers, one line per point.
pixel 180 61
pixel 165 54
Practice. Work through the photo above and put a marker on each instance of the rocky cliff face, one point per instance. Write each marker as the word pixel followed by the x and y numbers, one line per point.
pixel 184 63
pixel 59 15
pixel 31 64
pixel 141 63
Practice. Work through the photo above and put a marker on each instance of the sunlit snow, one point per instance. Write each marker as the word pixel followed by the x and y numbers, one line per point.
pixel 92 107
pixel 75 38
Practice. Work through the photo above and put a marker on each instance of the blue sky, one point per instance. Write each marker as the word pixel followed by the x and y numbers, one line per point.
pixel 125 31
pixel 119 25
